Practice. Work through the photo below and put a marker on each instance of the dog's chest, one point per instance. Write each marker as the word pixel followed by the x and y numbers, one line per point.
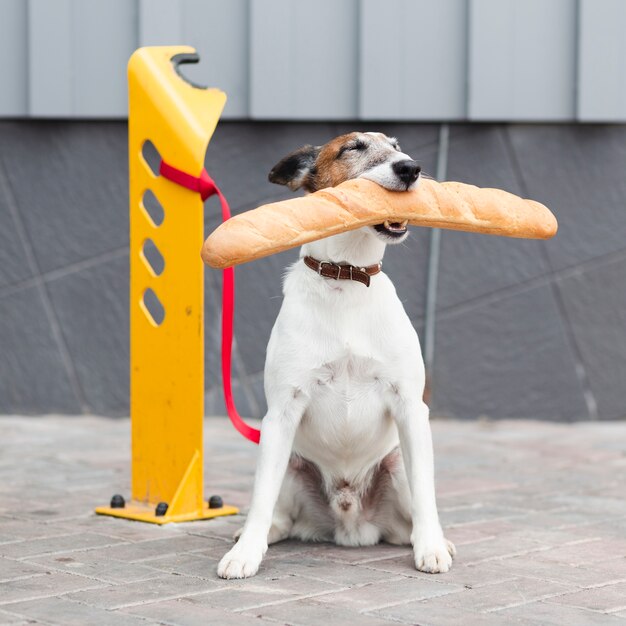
pixel 348 416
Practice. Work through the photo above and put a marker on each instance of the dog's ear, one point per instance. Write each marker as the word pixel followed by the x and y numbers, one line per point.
pixel 296 169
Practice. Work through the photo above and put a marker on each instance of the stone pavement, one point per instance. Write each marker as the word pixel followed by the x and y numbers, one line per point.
pixel 537 511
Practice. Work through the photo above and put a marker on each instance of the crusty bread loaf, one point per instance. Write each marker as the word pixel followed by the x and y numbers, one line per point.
pixel 282 225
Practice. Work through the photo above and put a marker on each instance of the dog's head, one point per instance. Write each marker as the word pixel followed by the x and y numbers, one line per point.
pixel 355 155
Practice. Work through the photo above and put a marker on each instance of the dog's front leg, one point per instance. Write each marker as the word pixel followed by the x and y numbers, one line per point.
pixel 432 552
pixel 278 429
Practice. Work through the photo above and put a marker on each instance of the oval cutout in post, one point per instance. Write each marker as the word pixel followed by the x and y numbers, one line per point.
pixel 152 307
pixel 152 257
pixel 153 207
pixel 151 156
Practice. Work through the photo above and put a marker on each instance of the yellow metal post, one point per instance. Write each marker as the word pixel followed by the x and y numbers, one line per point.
pixel 167 358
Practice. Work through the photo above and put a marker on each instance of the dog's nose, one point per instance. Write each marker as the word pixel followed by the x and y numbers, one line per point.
pixel 407 170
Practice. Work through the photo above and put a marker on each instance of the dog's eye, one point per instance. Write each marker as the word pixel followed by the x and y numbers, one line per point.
pixel 355 147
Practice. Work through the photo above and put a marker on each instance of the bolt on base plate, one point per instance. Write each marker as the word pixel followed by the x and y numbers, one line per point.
pixel 146 513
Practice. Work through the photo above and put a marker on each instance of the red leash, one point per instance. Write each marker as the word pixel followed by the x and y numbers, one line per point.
pixel 206 187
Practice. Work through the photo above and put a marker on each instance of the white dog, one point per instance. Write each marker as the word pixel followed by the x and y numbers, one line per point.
pixel 346 449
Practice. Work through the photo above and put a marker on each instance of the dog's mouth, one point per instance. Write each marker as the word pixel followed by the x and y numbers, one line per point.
pixel 393 230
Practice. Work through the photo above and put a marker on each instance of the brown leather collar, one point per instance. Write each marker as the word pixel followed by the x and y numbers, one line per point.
pixel 327 269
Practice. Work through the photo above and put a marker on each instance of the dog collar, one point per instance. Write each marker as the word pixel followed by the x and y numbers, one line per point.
pixel 328 269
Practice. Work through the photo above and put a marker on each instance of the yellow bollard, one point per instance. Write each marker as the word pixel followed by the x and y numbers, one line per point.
pixel 167 359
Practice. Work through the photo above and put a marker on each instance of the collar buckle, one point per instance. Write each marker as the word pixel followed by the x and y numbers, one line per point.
pixel 330 264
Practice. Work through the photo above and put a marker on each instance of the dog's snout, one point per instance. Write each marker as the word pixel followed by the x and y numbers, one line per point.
pixel 407 170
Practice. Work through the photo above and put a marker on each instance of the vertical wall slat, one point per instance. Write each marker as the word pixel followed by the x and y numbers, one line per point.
pixel 50 58
pixel 602 61
pixel 13 51
pixel 522 60
pixel 220 32
pixel 104 36
pixel 413 59
pixel 304 59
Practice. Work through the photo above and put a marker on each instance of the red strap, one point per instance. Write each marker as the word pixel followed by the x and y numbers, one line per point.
pixel 206 187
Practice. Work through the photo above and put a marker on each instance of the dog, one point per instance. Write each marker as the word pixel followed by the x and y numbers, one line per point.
pixel 346 449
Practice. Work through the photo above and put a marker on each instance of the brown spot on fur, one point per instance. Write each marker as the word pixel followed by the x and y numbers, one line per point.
pixel 329 170
pixel 310 475
pixel 381 479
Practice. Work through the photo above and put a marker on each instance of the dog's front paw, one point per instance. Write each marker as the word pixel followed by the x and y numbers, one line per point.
pixel 433 553
pixel 242 561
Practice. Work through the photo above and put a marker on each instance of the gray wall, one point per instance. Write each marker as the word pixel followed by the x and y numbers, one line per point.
pixel 524 328
pixel 327 59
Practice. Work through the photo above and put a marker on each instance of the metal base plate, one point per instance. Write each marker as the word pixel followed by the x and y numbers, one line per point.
pixel 145 513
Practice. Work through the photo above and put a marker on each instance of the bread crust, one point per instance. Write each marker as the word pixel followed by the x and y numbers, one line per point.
pixel 282 225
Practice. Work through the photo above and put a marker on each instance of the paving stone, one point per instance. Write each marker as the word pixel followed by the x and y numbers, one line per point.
pixel 64 611
pixel 236 597
pixel 12 530
pixel 422 613
pixel 188 612
pixel 113 527
pixel 195 565
pixel 98 568
pixel 532 566
pixel 11 618
pixel 561 484
pixel 478 513
pixel 53 584
pixel 390 592
pixel 611 597
pixel 363 554
pixel 10 569
pixel 501 595
pixel 585 552
pixel 63 543
pixel 140 592
pixel 320 569
pixel 144 550
pixel 470 576
pixel 557 614
pixel 310 612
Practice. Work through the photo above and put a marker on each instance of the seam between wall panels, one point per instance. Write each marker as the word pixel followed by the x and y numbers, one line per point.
pixel 430 312
pixel 55 327
pixel 581 372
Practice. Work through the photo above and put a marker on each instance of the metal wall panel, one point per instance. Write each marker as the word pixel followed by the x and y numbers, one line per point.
pixel 522 59
pixel 13 52
pixel 537 60
pixel 219 31
pixel 78 50
pixel 413 59
pixel 160 22
pixel 98 67
pixel 602 61
pixel 304 59
pixel 49 37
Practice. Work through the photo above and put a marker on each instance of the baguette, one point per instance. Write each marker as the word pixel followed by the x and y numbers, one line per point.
pixel 282 225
